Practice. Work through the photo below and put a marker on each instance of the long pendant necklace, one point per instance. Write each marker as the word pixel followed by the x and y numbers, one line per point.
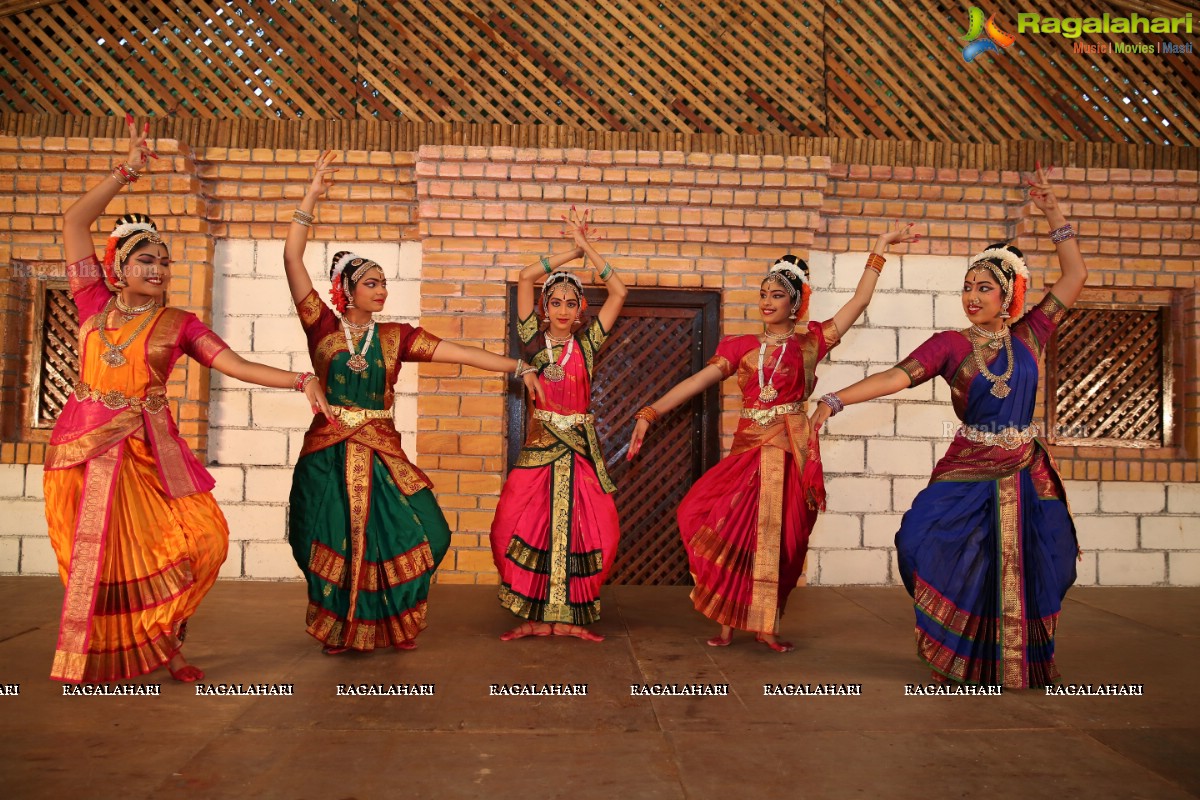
pixel 358 361
pixel 1000 387
pixel 767 393
pixel 555 371
pixel 112 352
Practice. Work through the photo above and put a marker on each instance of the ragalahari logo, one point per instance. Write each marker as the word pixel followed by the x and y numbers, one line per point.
pixel 984 36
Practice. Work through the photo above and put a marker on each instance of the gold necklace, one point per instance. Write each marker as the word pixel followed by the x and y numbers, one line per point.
pixel 133 311
pixel 356 327
pixel 776 338
pixel 1000 387
pixel 556 341
pixel 112 354
pixel 994 339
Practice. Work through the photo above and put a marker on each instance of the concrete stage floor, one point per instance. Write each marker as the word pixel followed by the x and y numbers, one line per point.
pixel 463 743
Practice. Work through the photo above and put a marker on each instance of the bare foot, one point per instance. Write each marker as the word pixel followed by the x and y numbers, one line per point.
pixel 527 629
pixel 772 641
pixel 407 644
pixel 182 671
pixel 578 631
pixel 724 639
pixel 330 650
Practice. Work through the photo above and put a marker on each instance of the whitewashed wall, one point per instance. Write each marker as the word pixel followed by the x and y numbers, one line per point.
pixel 877 455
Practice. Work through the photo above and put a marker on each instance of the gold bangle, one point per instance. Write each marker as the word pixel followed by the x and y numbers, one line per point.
pixel 647 413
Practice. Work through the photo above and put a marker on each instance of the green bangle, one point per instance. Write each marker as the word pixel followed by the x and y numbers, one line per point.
pixel 606 272
pixel 546 265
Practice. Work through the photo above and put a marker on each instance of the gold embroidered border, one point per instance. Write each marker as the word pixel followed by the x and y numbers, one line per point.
pixel 591 339
pixel 309 309
pixel 172 461
pixel 763 613
pixel 87 558
pixel 945 613
pixel 83 273
pixel 558 594
pixel 528 328
pixel 207 347
pixel 331 630
pixel 1012 584
pixel 358 491
pixel 531 609
pixel 1053 308
pixel 421 346
pixel 579 565
pixel 162 337
pixel 720 609
pixel 124 597
pixel 727 369
pixel 914 369
pixel 831 334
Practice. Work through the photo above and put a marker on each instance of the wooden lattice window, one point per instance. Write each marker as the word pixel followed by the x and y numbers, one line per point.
pixel 1109 376
pixel 55 360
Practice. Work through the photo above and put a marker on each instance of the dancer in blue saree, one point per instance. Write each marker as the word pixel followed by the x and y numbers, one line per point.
pixel 988 548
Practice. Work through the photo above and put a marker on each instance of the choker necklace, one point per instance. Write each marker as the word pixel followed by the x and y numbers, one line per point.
pixel 767 393
pixel 995 340
pixel 556 341
pixel 355 326
pixel 112 352
pixel 358 362
pixel 133 311
pixel 776 338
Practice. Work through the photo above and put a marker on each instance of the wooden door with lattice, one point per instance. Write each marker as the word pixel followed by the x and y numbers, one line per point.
pixel 662 337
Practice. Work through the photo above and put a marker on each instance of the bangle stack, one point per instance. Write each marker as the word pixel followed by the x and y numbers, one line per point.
pixel 607 272
pixel 125 174
pixel 301 217
pixel 546 264
pixel 875 262
pixel 523 369
pixel 647 413
pixel 1060 235
pixel 834 402
pixel 303 379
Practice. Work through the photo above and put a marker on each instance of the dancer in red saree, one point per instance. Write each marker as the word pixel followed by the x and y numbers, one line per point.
pixel 555 532
pixel 131 517
pixel 746 522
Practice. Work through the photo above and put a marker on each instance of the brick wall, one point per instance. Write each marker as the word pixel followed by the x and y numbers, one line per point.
pixel 453 224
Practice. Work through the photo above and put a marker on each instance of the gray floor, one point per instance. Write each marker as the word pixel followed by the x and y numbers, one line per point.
pixel 463 743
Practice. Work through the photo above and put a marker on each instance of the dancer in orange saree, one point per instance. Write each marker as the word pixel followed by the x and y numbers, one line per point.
pixel 138 536
pixel 746 522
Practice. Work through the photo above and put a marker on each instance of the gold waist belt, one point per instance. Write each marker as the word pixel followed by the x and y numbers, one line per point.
pixel 115 400
pixel 767 416
pixel 354 417
pixel 1008 438
pixel 563 421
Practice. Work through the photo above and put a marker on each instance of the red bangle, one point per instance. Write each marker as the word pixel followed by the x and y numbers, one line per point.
pixel 876 262
pixel 302 381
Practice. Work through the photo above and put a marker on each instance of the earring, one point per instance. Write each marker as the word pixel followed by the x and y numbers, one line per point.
pixel 1005 315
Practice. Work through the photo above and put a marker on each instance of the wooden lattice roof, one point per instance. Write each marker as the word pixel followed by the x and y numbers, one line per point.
pixel 810 68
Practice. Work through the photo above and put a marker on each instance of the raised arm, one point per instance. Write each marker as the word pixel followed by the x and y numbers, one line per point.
pixel 848 314
pixel 1070 260
pixel 881 384
pixel 676 396
pixel 78 220
pixel 297 236
pixel 527 280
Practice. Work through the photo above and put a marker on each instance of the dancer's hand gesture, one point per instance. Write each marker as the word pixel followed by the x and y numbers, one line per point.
pixel 323 173
pixel 535 388
pixel 1041 192
pixel 636 439
pixel 140 151
pixel 901 233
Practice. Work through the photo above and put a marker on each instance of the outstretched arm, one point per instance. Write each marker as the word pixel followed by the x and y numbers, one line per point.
pixel 611 310
pixel 449 352
pixel 297 236
pixel 83 213
pixel 881 384
pixel 1070 260
pixel 849 314
pixel 230 363
pixel 676 396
